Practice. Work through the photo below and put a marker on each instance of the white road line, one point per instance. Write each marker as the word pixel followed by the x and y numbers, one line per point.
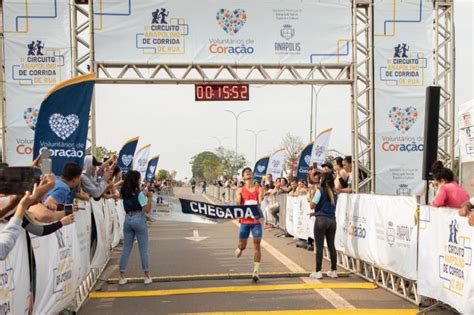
pixel 329 295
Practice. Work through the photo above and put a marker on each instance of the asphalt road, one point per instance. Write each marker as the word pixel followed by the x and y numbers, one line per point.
pixel 172 254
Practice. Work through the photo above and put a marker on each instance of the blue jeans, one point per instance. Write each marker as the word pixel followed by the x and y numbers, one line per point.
pixel 135 225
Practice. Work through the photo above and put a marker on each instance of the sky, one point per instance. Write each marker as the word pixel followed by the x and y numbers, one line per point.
pixel 177 127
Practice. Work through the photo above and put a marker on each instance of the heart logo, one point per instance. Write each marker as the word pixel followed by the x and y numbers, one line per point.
pixel 152 169
pixel 127 159
pixel 403 119
pixel 307 159
pixel 142 162
pixel 62 126
pixel 261 168
pixel 30 115
pixel 231 21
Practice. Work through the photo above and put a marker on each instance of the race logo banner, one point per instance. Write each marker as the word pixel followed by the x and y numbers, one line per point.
pixel 466 131
pixel 403 53
pixel 125 158
pixel 151 169
pixel 140 161
pixel 222 31
pixel 304 162
pixel 276 163
pixel 37 53
pixel 320 147
pixel 63 122
pixel 260 168
pixel 221 212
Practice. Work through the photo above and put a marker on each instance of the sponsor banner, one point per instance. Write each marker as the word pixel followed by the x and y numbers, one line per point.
pixel 289 217
pixel 403 51
pixel 304 162
pixel 140 161
pixel 248 31
pixel 380 230
pixel 151 169
pixel 445 255
pixel 15 279
pixel 113 227
pixel 102 250
pixel 466 131
pixel 82 237
pixel 37 57
pixel 63 122
pixel 299 222
pixel 260 169
pixel 320 147
pixel 220 211
pixel 276 163
pixel 125 158
pixel 121 216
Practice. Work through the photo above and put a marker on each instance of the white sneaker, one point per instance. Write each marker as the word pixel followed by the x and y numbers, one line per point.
pixel 316 275
pixel 148 280
pixel 255 277
pixel 238 253
pixel 122 281
pixel 332 274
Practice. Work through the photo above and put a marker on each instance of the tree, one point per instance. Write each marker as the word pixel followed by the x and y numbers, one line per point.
pixel 206 165
pixel 229 164
pixel 162 175
pixel 101 152
pixel 293 146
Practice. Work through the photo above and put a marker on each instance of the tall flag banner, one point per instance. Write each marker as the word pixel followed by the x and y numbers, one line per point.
pixel 403 68
pixel 37 51
pixel 260 168
pixel 151 169
pixel 276 163
pixel 63 121
pixel 304 162
pixel 320 147
pixel 140 161
pixel 466 131
pixel 126 154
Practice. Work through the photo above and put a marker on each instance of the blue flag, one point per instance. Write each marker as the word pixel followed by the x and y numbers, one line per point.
pixel 220 211
pixel 305 159
pixel 260 168
pixel 151 169
pixel 63 121
pixel 126 154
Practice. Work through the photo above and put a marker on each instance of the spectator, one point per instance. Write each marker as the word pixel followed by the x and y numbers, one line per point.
pixel 294 186
pixel 341 175
pixel 324 205
pixel 466 208
pixel 204 187
pixel 450 193
pixel 285 188
pixel 89 181
pixel 347 166
pixel 327 167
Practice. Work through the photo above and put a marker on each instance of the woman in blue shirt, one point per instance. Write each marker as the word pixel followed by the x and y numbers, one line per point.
pixel 324 205
pixel 136 203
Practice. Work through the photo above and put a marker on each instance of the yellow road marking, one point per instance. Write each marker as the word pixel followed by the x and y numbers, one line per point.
pixel 235 289
pixel 321 312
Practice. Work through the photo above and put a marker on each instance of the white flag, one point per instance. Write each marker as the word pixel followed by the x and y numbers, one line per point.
pixel 276 163
pixel 320 147
pixel 140 161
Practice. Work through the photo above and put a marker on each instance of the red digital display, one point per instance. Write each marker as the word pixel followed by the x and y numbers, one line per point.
pixel 221 92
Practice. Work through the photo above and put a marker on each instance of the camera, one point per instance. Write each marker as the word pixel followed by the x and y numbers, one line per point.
pixel 68 208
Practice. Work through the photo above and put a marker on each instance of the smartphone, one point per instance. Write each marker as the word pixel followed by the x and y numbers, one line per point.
pixel 315 165
pixel 45 162
pixel 16 180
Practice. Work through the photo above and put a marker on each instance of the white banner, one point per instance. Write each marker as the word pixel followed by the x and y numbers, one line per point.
pixel 445 255
pixel 140 161
pixel 380 230
pixel 289 217
pixel 15 279
pixel 320 147
pixel 82 226
pixel 115 227
pixel 264 31
pixel 37 45
pixel 299 221
pixel 466 131
pixel 103 246
pixel 276 163
pixel 403 45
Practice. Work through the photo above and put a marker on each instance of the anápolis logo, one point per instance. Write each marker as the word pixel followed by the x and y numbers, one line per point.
pixel 30 115
pixel 231 21
pixel 390 233
pixel 127 159
pixel 287 32
pixel 307 159
pixel 63 126
pixel 403 190
pixel 403 119
pixel 261 168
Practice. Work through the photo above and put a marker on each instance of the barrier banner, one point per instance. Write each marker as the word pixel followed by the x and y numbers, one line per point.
pixel 466 131
pixel 151 169
pixel 379 230
pixel 15 275
pixel 82 237
pixel 299 222
pixel 445 270
pixel 403 67
pixel 276 163
pixel 102 249
pixel 260 168
pixel 304 162
pixel 220 212
pixel 121 216
pixel 114 227
pixel 63 121
pixel 186 31
pixel 140 161
pixel 320 147
pixel 37 50
pixel 289 217
pixel 125 158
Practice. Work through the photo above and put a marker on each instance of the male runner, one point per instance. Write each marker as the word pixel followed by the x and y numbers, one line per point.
pixel 249 194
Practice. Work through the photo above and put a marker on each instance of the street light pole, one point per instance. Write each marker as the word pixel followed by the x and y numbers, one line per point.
pixel 256 133
pixel 236 116
pixel 219 140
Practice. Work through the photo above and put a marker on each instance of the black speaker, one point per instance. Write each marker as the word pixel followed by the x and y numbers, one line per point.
pixel 430 151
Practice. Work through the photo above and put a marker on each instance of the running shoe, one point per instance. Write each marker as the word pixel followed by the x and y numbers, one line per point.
pixel 148 280
pixel 122 281
pixel 255 277
pixel 332 274
pixel 316 275
pixel 238 253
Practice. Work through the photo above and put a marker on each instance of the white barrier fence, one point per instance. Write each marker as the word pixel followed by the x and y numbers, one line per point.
pixel 64 272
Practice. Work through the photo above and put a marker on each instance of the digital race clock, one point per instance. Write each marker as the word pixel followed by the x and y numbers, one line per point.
pixel 221 92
